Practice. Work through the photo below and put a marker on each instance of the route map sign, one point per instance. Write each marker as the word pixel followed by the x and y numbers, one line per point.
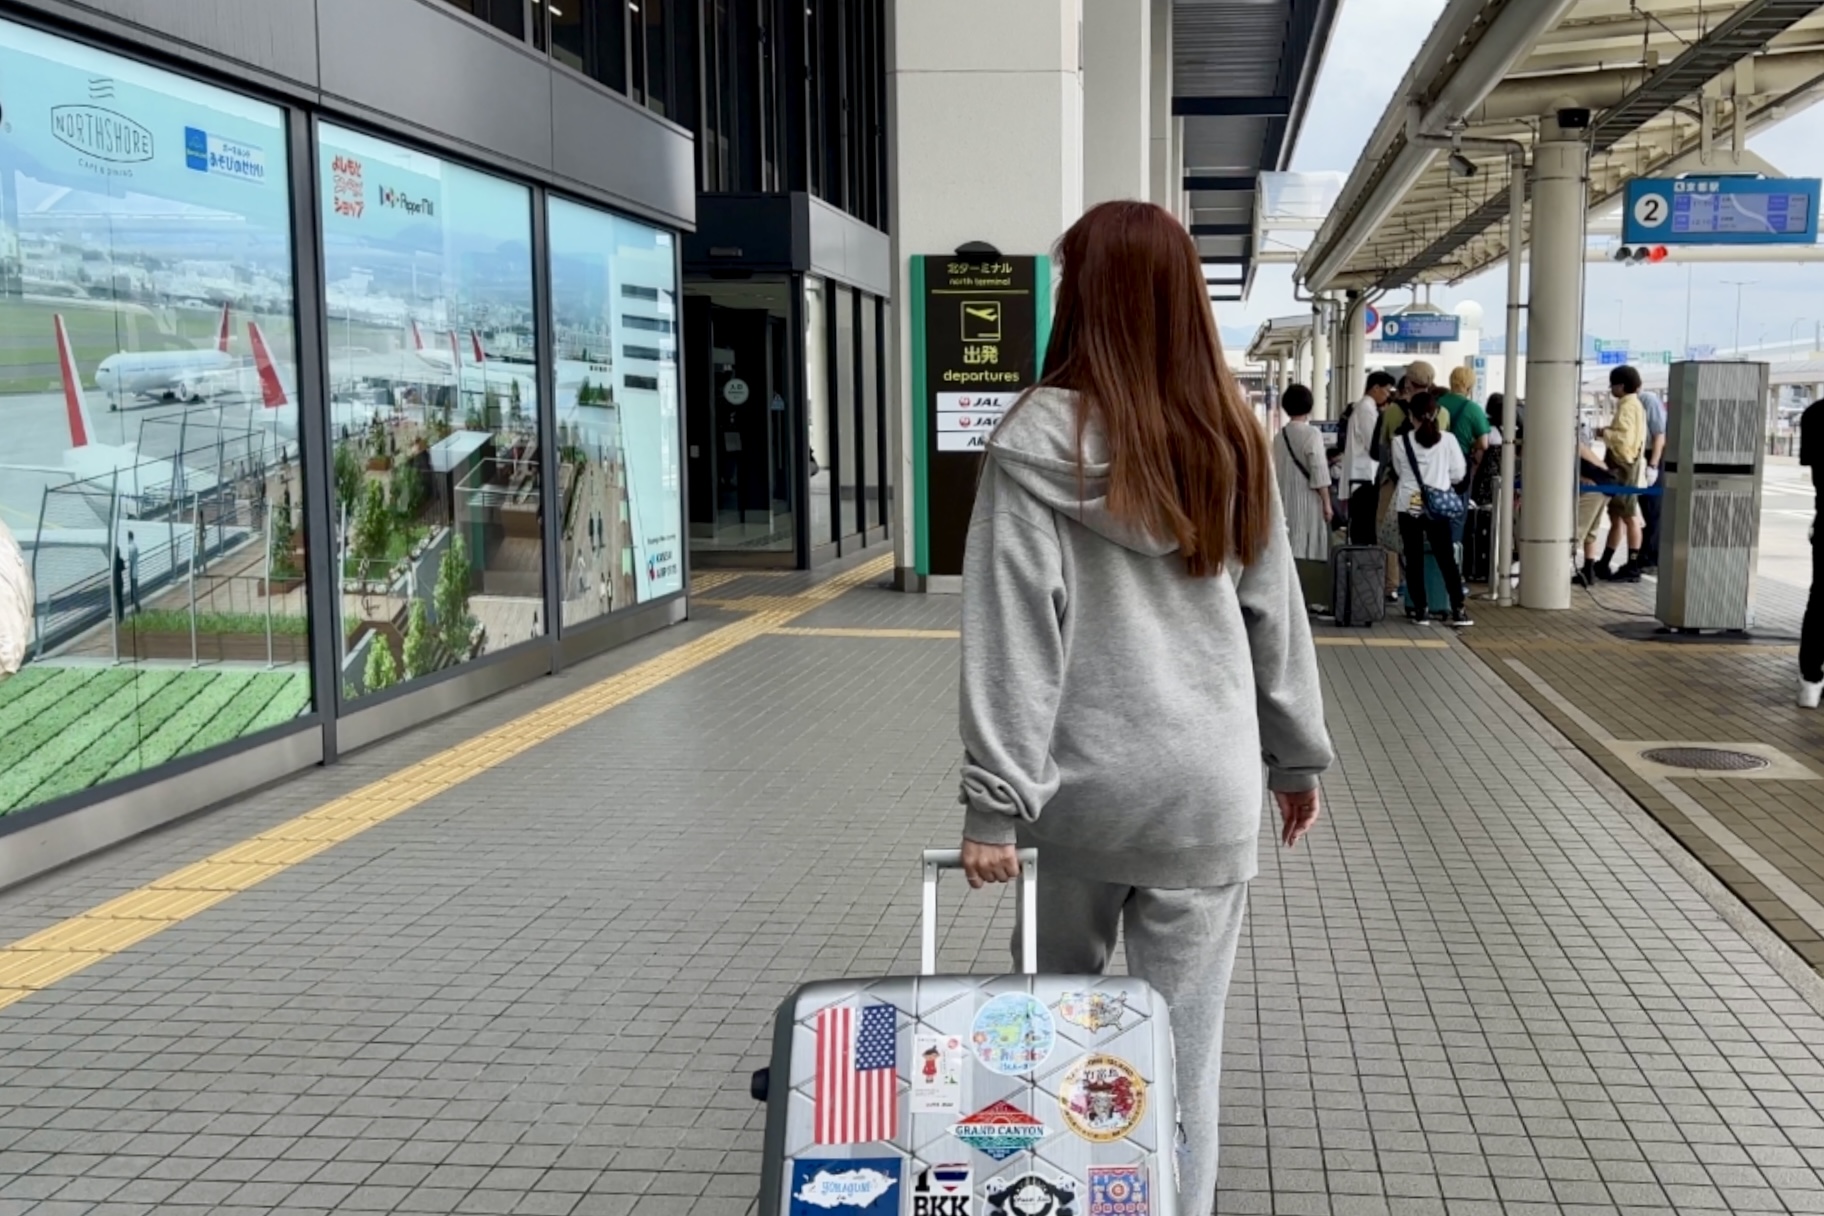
pixel 1721 210
pixel 1421 327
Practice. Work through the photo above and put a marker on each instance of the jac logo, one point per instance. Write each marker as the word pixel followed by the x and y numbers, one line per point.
pixel 399 200
pixel 104 134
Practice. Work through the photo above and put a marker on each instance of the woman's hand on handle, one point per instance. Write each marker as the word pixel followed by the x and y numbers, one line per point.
pixel 986 863
pixel 1297 812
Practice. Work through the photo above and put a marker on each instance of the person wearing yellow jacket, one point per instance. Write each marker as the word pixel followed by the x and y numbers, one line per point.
pixel 1625 449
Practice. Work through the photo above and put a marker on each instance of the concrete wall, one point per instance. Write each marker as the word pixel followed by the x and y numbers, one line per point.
pixel 422 70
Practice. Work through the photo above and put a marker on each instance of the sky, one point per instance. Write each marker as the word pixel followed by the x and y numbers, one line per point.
pixel 1643 305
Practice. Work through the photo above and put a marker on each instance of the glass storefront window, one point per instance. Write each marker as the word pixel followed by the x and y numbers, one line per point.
pixel 743 454
pixel 817 411
pixel 614 301
pixel 873 470
pixel 507 16
pixel 149 472
pixel 433 410
pixel 591 36
pixel 843 403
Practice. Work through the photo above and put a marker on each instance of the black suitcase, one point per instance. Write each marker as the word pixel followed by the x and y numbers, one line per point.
pixel 1478 538
pixel 1358 582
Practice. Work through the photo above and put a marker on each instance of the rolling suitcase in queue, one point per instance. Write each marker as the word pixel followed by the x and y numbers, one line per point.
pixel 1358 579
pixel 1478 537
pixel 967 1095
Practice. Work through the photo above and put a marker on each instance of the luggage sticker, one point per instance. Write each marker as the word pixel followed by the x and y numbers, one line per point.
pixel 937 1073
pixel 1013 1033
pixel 1118 1190
pixel 1032 1195
pixel 859 1186
pixel 1103 1097
pixel 944 1190
pixel 1000 1130
pixel 1094 1011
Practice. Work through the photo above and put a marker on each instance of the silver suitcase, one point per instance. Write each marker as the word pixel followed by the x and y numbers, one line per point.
pixel 966 1095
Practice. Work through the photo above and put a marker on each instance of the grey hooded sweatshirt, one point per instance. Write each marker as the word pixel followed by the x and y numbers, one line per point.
pixel 1117 713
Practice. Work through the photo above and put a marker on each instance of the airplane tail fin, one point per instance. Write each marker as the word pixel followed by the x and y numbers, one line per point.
pixel 475 342
pixel 272 390
pixel 455 353
pixel 221 333
pixel 74 404
pixel 417 338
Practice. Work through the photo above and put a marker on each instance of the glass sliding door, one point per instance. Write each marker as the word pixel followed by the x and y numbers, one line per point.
pixel 844 406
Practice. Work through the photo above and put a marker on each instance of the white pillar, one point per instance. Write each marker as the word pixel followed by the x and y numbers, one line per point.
pixel 1117 100
pixel 985 102
pixel 1320 359
pixel 1554 367
pixel 1353 352
pixel 1162 159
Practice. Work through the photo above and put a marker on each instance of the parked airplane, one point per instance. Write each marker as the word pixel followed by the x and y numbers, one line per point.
pixel 183 375
pixel 138 481
pixel 276 400
pixel 478 375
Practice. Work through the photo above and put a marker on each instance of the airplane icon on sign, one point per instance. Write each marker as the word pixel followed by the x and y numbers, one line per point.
pixel 981 321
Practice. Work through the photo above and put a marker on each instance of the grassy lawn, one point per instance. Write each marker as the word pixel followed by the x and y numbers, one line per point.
pixel 64 729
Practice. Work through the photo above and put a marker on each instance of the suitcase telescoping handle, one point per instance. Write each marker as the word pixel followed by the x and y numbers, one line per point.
pixel 937 860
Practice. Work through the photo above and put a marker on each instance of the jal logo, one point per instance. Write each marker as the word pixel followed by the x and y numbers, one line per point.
pixel 399 200
pixel 101 133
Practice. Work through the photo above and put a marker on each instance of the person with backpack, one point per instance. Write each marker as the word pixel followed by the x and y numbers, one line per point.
pixel 1427 471
pixel 1137 670
pixel 1303 476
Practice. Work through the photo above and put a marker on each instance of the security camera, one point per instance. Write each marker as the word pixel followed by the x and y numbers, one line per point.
pixel 1461 165
pixel 1574 118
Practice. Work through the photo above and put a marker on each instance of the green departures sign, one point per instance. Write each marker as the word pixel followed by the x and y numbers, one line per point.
pixel 978 330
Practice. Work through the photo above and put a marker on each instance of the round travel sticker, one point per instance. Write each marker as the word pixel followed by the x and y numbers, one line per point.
pixel 1013 1033
pixel 1104 1098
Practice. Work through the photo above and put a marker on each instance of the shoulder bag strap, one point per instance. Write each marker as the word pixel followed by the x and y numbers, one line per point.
pixel 1296 462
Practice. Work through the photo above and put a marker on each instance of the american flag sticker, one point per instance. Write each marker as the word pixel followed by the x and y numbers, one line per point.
pixel 856 1097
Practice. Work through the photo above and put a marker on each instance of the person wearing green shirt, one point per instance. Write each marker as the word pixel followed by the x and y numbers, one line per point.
pixel 1468 421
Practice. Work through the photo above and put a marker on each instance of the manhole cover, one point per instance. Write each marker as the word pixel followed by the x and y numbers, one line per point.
pixel 1706 759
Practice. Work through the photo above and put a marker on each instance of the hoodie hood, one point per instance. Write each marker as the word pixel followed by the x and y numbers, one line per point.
pixel 1036 446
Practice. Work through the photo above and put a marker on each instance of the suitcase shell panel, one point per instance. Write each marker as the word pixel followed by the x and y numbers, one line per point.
pixel 948 1005
pixel 1359 584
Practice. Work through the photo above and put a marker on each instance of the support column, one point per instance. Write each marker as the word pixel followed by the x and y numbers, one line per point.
pixel 1162 160
pixel 1117 100
pixel 1554 367
pixel 1320 360
pixel 1353 352
pixel 984 102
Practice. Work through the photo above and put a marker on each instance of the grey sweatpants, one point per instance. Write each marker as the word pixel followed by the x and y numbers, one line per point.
pixel 1182 943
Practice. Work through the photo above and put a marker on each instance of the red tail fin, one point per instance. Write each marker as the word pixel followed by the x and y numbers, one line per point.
pixel 81 430
pixel 455 353
pixel 475 341
pixel 272 391
pixel 417 338
pixel 221 334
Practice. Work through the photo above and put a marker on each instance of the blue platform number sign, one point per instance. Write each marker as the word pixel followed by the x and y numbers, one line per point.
pixel 1420 327
pixel 1721 210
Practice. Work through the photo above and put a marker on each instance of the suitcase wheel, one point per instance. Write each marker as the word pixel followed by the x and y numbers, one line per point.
pixel 757 1084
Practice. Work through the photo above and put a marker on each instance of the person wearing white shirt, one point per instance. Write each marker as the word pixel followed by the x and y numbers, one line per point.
pixel 1358 464
pixel 1422 461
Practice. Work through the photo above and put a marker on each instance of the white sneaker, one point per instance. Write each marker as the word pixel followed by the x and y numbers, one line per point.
pixel 1810 694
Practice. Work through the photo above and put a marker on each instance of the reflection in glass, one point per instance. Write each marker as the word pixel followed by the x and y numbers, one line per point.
pixel 614 300
pixel 817 411
pixel 742 457
pixel 148 471
pixel 848 431
pixel 872 473
pixel 433 410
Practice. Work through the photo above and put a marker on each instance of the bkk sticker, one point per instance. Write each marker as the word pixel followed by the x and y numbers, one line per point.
pixel 1013 1033
pixel 1104 1098
pixel 1032 1195
pixel 1000 1130
pixel 937 1074
pixel 1094 1011
pixel 1118 1190
pixel 860 1186
pixel 944 1190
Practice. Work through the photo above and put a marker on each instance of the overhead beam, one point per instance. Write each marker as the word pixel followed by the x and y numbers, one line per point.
pixel 1222 184
pixel 1232 107
pixel 1222 229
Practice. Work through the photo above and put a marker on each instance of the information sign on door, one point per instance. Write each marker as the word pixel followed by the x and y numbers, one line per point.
pixel 977 334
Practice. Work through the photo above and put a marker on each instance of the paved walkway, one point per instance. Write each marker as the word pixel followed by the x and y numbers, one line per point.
pixel 1610 683
pixel 535 978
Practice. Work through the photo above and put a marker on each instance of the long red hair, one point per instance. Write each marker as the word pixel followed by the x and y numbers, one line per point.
pixel 1135 338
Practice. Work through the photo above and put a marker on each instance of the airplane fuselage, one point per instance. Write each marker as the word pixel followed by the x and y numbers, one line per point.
pixel 187 375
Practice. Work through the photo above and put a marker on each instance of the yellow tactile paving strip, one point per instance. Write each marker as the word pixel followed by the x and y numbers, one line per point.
pixel 40 960
pixel 837 632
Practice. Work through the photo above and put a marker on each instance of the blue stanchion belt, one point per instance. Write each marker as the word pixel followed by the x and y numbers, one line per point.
pixel 1622 491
